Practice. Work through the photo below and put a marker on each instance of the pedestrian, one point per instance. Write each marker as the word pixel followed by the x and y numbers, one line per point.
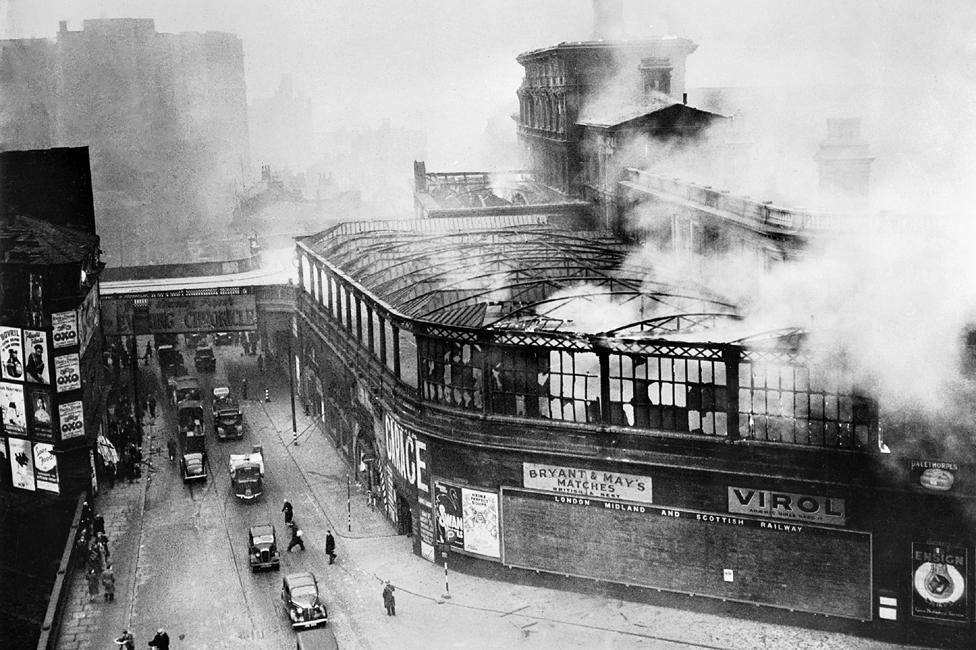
pixel 171 449
pixel 108 583
pixel 126 640
pixel 98 525
pixel 110 470
pixel 330 546
pixel 389 601
pixel 87 514
pixel 261 363
pixel 149 352
pixel 161 640
pixel 102 543
pixel 288 510
pixel 296 538
pixel 151 403
pixel 244 388
pixel 93 576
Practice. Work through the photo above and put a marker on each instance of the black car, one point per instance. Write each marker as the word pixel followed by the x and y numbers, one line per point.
pixel 204 359
pixel 262 547
pixel 300 593
pixel 224 338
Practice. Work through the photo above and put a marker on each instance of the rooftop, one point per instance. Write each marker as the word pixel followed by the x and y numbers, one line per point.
pixel 24 240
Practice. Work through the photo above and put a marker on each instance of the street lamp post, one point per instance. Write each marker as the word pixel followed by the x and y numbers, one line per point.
pixel 291 388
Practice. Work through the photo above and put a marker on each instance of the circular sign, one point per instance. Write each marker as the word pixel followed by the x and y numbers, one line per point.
pixel 940 584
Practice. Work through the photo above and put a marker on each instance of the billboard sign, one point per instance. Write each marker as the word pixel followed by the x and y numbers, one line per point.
pixel 46 467
pixel 939 573
pixel 22 464
pixel 787 505
pixel 447 506
pixel 71 418
pixel 937 476
pixel 88 318
pixel 587 482
pixel 480 515
pixel 12 409
pixel 36 368
pixel 67 372
pixel 65 329
pixel 11 354
pixel 39 411
pixel 203 313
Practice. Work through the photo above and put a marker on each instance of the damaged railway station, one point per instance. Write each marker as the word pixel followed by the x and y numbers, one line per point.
pixel 671 450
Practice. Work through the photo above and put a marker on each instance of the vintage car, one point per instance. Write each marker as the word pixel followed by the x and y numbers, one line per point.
pixel 320 638
pixel 186 387
pixel 224 338
pixel 300 593
pixel 262 547
pixel 195 340
pixel 193 466
pixel 204 359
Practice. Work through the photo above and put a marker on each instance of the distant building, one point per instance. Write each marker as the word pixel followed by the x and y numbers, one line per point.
pixel 50 342
pixel 164 116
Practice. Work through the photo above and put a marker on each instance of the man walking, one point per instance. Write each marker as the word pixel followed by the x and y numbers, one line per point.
pixel 389 601
pixel 330 546
pixel 93 576
pixel 244 388
pixel 288 510
pixel 151 403
pixel 296 538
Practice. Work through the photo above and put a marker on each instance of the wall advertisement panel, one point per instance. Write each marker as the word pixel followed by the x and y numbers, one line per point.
pixel 426 530
pixel 65 329
pixel 227 313
pixel 67 372
pixel 939 574
pixel 788 505
pixel 748 559
pixel 88 319
pixel 71 418
pixel 22 464
pixel 11 354
pixel 37 369
pixel 46 467
pixel 408 455
pixel 39 409
pixel 12 409
pixel 467 519
pixel 587 482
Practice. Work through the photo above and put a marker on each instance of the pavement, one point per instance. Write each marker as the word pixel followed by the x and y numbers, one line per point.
pixel 177 552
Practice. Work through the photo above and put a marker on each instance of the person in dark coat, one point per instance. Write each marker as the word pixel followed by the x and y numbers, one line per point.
pixel 108 583
pixel 288 510
pixel 330 546
pixel 151 404
pixel 161 640
pixel 389 600
pixel 296 538
pixel 87 514
pixel 126 640
pixel 244 388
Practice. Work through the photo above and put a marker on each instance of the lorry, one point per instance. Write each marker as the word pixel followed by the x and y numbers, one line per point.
pixel 228 420
pixel 192 437
pixel 185 387
pixel 247 474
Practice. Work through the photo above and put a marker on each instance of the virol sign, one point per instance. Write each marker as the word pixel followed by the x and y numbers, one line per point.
pixel 787 505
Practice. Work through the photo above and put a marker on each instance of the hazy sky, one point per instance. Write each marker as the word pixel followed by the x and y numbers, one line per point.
pixel 452 64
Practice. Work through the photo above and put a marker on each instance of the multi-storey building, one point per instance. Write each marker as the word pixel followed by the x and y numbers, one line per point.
pixel 164 116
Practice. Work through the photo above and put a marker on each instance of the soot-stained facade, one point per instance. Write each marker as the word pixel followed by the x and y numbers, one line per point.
pixel 675 452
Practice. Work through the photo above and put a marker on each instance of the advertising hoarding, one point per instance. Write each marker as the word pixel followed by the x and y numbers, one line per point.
pixel 67 372
pixel 426 530
pixel 587 482
pixel 22 464
pixel 71 420
pixel 11 354
pixel 408 455
pixel 36 368
pixel 12 409
pixel 937 476
pixel 46 467
pixel 939 573
pixel 447 506
pixel 88 317
pixel 480 514
pixel 65 329
pixel 39 411
pixel 787 505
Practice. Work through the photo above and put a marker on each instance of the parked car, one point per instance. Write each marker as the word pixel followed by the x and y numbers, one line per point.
pixel 193 466
pixel 195 340
pixel 224 338
pixel 300 593
pixel 262 547
pixel 321 638
pixel 204 359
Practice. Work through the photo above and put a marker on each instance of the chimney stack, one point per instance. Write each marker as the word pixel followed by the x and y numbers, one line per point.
pixel 608 20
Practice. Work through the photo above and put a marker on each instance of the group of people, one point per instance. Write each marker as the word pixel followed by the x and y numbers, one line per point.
pixel 93 545
pixel 128 642
pixel 297 534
